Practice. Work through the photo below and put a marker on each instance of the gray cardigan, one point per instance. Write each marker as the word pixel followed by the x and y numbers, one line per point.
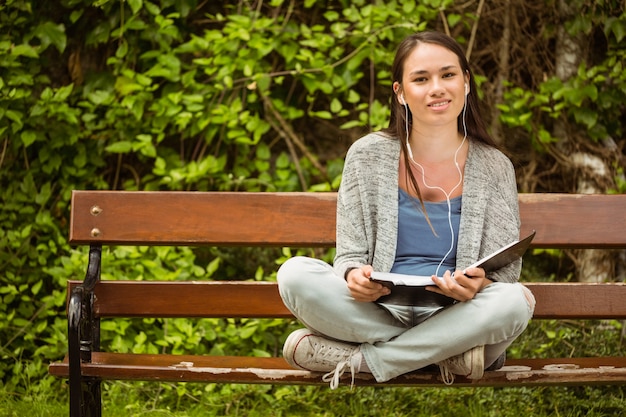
pixel 367 207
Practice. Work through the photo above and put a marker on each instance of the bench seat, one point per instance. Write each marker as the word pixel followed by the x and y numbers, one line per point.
pixel 252 370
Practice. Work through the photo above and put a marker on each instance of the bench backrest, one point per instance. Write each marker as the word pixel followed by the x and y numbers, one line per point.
pixel 307 219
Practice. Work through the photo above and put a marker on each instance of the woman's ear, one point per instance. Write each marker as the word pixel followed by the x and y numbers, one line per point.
pixel 398 92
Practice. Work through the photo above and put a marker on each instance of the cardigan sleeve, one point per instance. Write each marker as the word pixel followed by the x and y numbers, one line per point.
pixel 502 221
pixel 367 205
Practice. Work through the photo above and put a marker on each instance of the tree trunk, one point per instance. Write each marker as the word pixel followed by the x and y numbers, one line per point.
pixel 504 51
pixel 592 265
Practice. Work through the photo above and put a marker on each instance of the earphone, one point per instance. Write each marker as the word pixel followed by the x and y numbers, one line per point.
pixel 466 89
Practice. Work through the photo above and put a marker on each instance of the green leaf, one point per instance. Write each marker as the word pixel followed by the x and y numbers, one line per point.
pixel 453 19
pixel 44 194
pixel 335 105
pixel 63 93
pixel 100 97
pixel 353 97
pixel 322 114
pixel 263 151
pixel 28 137
pixel 122 49
pixel 615 26
pixel 282 162
pixel 152 8
pixel 586 116
pixel 49 33
pixel 135 5
pixel 24 50
pixel 247 332
pixel 36 287
pixel 120 147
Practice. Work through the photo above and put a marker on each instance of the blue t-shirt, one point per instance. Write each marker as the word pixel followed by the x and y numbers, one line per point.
pixel 419 251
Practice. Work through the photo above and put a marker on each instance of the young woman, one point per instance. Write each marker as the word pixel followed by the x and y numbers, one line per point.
pixel 429 195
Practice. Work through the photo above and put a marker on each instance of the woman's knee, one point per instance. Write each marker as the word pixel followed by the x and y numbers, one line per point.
pixel 299 274
pixel 289 273
pixel 530 299
pixel 297 269
pixel 510 303
pixel 519 306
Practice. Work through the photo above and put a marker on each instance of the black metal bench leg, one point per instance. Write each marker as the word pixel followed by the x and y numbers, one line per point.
pixel 84 338
pixel 73 327
pixel 92 399
pixel 86 399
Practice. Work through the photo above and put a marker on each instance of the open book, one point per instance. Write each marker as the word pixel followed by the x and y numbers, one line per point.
pixel 411 289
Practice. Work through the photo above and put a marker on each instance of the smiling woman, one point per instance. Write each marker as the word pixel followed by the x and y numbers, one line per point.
pixel 427 196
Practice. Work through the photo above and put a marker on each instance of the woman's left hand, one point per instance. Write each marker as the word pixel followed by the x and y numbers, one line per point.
pixel 461 285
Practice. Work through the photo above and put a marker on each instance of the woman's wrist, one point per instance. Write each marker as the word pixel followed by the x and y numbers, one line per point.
pixel 345 275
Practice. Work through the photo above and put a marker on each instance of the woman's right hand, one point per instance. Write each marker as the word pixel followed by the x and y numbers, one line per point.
pixel 362 288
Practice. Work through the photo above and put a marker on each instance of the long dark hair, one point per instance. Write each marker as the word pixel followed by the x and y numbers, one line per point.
pixel 398 122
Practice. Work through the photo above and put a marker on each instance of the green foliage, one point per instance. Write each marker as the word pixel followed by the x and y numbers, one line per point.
pixel 592 99
pixel 590 102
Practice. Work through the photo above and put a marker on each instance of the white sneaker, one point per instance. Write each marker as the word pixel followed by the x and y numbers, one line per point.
pixel 470 364
pixel 305 350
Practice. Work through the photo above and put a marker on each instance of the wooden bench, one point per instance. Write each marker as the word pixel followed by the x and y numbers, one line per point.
pixel 294 220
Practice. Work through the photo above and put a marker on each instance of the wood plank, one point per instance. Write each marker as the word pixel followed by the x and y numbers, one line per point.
pixel 575 220
pixel 234 369
pixel 575 300
pixel 208 218
pixel 232 299
pixel 241 299
pixel 306 219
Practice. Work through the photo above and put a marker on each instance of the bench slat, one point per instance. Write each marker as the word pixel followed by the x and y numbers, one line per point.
pixel 261 299
pixel 306 219
pixel 189 299
pixel 574 220
pixel 206 218
pixel 227 369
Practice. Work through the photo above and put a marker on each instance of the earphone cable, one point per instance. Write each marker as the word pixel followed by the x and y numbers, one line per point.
pixel 410 152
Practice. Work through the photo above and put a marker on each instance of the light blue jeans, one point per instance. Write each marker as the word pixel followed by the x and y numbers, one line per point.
pixel 322 302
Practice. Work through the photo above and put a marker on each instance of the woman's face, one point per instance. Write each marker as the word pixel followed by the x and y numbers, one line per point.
pixel 433 86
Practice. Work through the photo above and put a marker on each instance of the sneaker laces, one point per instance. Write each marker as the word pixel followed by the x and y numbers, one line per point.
pixel 469 364
pixel 353 363
pixel 446 374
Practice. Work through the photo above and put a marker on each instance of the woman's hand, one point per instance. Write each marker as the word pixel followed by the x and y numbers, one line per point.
pixel 360 286
pixel 461 285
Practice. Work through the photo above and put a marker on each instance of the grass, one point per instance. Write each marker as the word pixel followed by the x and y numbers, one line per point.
pixel 138 399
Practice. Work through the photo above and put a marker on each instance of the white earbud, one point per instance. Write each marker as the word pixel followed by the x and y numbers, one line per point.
pixel 466 89
pixel 402 101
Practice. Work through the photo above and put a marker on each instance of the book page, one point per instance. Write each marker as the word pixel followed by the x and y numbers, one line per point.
pixel 402 279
